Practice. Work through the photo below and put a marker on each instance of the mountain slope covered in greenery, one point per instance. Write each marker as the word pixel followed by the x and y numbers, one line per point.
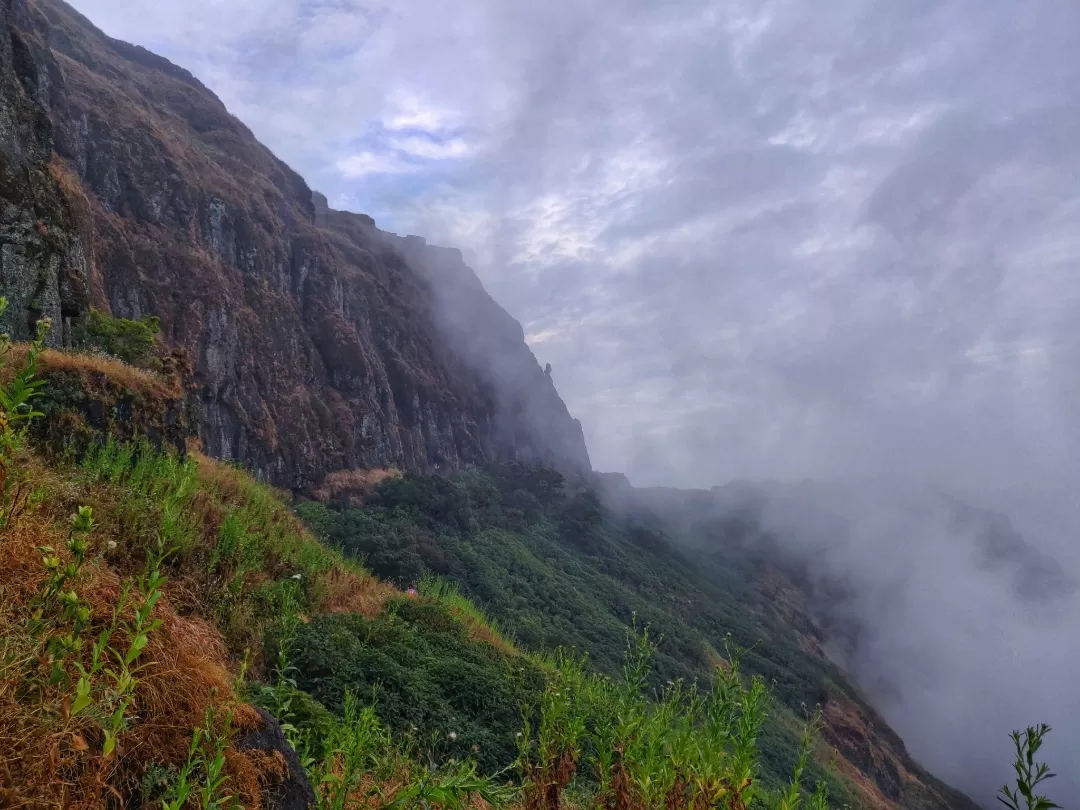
pixel 151 597
pixel 163 611
pixel 556 568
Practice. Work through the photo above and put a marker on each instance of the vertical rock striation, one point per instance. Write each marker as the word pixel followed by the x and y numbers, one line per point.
pixel 319 341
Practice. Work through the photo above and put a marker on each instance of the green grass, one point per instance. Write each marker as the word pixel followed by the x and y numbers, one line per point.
pixel 553 569
pixel 233 538
pixel 424 674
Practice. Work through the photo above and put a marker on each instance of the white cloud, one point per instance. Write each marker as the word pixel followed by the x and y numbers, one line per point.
pixel 364 163
pixel 411 111
pixel 429 149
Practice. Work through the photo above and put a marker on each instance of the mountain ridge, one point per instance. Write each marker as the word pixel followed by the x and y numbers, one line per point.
pixel 318 341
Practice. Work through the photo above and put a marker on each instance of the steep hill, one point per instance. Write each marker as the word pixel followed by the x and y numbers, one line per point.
pixel 319 342
pixel 556 566
pixel 912 592
pixel 160 611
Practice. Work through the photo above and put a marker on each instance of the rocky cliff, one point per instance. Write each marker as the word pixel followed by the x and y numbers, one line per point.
pixel 319 342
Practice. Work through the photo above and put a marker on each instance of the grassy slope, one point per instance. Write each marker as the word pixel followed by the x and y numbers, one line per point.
pixel 554 571
pixel 214 606
pixel 240 566
pixel 559 571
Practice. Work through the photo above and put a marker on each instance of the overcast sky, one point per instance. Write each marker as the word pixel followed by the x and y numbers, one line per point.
pixel 758 239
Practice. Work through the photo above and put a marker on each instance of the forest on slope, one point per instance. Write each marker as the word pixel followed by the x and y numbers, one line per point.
pixel 556 567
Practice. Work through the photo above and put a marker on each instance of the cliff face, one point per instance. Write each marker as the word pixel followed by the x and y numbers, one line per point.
pixel 319 341
pixel 42 261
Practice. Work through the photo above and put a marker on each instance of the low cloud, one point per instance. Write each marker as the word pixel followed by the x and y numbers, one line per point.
pixel 952 620
pixel 365 163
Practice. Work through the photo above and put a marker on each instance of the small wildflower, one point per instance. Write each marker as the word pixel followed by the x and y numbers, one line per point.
pixel 453 736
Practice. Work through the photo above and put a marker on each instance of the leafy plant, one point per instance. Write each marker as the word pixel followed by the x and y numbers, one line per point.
pixel 202 779
pixel 682 750
pixel 355 748
pixel 277 697
pixel 452 787
pixel 57 615
pixel 111 700
pixel 17 410
pixel 129 340
pixel 1029 774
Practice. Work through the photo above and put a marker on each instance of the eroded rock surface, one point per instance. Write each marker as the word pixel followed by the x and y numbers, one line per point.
pixel 319 342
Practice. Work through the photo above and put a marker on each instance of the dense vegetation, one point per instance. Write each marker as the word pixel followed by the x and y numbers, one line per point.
pixel 148 598
pixel 558 570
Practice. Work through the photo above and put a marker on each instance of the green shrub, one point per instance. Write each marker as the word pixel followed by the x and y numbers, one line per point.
pixel 556 568
pixel 423 674
pixel 131 341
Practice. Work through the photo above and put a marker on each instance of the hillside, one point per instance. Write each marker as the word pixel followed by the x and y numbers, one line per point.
pixel 318 341
pixel 161 609
pixel 557 567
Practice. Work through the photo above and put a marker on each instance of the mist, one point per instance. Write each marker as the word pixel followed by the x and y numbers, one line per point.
pixel 955 625
pixel 759 239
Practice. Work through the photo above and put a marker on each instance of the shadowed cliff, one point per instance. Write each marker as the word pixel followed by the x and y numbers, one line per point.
pixel 319 342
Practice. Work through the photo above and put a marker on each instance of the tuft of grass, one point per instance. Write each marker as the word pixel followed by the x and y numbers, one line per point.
pixel 352 486
pixel 106 366
pixel 479 624
pixel 238 547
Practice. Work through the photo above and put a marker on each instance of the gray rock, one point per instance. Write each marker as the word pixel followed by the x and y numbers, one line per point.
pixel 294 791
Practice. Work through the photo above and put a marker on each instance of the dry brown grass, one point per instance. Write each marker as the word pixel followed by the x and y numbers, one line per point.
pixel 343 588
pixel 342 591
pixel 52 759
pixel 478 630
pixel 56 759
pixel 103 367
pixel 375 792
pixel 354 486
pixel 107 368
pixel 846 729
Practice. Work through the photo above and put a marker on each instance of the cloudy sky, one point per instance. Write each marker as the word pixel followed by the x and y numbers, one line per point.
pixel 764 239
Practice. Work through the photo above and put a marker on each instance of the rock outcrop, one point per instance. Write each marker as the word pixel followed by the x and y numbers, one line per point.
pixel 319 342
pixel 292 789
pixel 42 263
